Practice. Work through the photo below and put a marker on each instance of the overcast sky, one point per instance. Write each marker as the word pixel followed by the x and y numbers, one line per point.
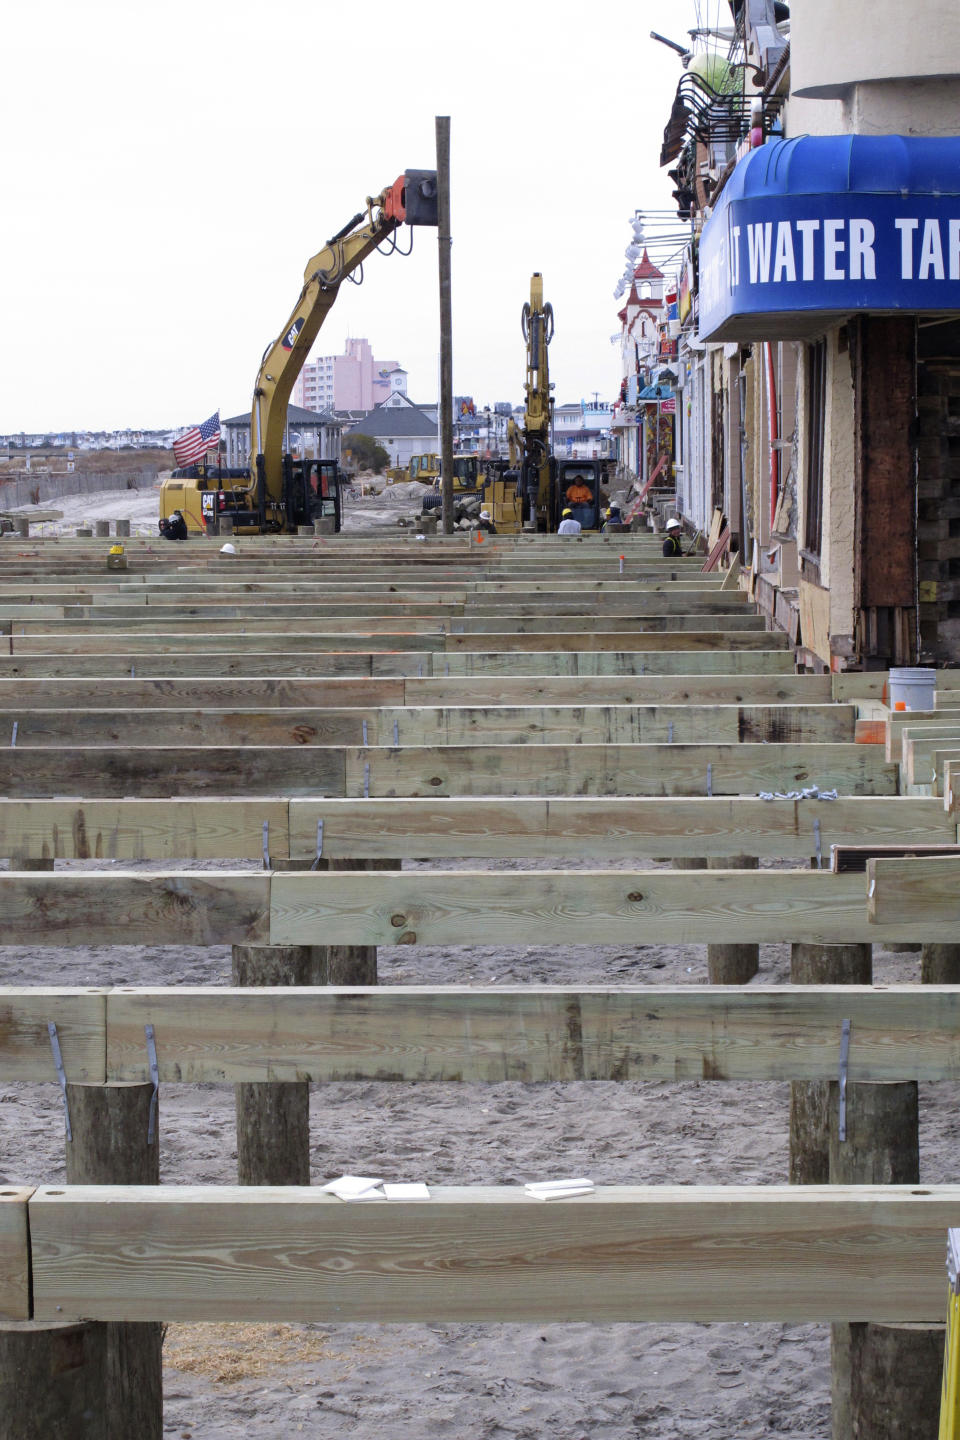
pixel 170 169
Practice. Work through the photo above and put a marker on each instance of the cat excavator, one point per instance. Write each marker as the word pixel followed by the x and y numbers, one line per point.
pixel 534 496
pixel 279 493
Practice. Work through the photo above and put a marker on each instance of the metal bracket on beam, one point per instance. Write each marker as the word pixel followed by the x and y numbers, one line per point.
pixel 13 737
pixel 61 1073
pixel 151 1037
pixel 266 844
pixel 364 731
pixel 818 842
pixel 396 734
pixel 366 780
pixel 844 1063
pixel 710 781
pixel 319 855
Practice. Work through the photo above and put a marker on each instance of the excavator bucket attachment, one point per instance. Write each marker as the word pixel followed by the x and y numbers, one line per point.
pixel 413 198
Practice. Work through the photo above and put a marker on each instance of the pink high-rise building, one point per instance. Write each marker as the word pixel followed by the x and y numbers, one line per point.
pixel 351 381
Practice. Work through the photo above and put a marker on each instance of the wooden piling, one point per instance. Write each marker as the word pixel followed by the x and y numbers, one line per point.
pixel 110 1146
pixel 809 1131
pixel 273 1118
pixel 885 1379
pixel 51 1381
pixel 940 965
pixel 732 964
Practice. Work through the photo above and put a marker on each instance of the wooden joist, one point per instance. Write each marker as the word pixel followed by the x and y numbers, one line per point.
pixel 625 1253
pixel 480 907
pixel 599 829
pixel 113 771
pixel 455 1034
pixel 926 890
pixel 400 662
pixel 432 725
pixel 346 690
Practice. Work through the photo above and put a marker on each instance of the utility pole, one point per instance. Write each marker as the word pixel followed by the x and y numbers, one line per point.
pixel 446 323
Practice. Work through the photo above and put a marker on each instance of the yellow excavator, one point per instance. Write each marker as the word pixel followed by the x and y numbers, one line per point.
pixel 534 496
pixel 279 493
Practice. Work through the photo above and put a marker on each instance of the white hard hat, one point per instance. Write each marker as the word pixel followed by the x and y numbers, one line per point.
pixel 228 549
pixel 484 514
pixel 673 524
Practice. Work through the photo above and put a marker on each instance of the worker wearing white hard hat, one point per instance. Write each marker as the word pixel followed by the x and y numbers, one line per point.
pixel 486 522
pixel 672 549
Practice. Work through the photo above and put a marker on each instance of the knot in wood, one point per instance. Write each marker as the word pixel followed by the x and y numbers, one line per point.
pixel 397 920
pixel 409 937
pixel 435 780
pixel 635 895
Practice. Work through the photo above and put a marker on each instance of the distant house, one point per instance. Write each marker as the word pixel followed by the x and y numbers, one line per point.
pixel 312 434
pixel 403 429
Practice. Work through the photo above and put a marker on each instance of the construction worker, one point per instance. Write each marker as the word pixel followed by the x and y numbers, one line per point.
pixel 568 526
pixel 612 519
pixel 672 549
pixel 578 493
pixel 486 523
pixel 174 528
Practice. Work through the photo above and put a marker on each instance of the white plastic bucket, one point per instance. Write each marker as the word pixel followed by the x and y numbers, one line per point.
pixel 912 688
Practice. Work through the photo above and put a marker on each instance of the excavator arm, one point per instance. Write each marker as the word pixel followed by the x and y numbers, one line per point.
pixel 537 327
pixel 411 199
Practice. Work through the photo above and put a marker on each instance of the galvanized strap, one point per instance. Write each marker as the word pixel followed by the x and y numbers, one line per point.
pixel 151 1038
pixel 61 1073
pixel 844 1062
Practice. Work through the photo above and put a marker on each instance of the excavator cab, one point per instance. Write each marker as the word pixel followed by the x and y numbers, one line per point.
pixel 313 490
pixel 577 487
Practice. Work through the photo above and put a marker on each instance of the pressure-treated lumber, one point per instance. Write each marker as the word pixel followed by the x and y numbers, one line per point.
pixel 491 770
pixel 344 690
pixel 925 890
pixel 14 1253
pixel 598 828
pixel 621 1254
pixel 25 1049
pixel 534 1033
pixel 399 662
pixel 289 641
pixel 433 725
pixel 455 908
pixel 128 629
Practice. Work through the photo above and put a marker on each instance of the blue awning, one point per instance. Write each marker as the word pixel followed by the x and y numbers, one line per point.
pixel 810 230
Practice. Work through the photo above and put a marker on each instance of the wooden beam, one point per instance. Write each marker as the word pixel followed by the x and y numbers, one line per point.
pixel 14 1253
pixel 926 890
pixel 745 1253
pixel 533 1033
pixel 223 828
pixel 405 662
pixel 673 770
pixel 25 1045
pixel 607 828
pixel 208 907
pixel 227 692
pixel 431 725
pixel 115 771
pixel 616 907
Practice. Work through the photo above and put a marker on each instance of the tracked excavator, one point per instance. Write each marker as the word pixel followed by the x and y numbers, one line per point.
pixel 535 495
pixel 279 493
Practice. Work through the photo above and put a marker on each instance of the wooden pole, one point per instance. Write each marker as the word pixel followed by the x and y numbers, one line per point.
pixel 444 242
pixel 732 964
pixel 809 1132
pixel 273 1117
pixel 110 1125
pixel 940 965
pixel 51 1380
pixel 885 1379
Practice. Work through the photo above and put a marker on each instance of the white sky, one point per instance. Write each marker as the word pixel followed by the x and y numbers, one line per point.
pixel 170 169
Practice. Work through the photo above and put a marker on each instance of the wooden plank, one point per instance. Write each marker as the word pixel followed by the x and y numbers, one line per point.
pixel 208 907
pixel 223 828
pixel 609 770
pixel 927 891
pixel 347 691
pixel 437 907
pixel 431 725
pixel 918 744
pixel 14 1253
pixel 853 858
pixel 534 1033
pixel 81 1020
pixel 590 663
pixel 112 771
pixel 592 639
pixel 271 643
pixel 610 689
pixel 607 828
pixel 257 620
pixel 558 907
pixel 896 721
pixel 746 1253
pixel 225 691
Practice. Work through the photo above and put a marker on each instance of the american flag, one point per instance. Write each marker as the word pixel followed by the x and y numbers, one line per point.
pixel 195 443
